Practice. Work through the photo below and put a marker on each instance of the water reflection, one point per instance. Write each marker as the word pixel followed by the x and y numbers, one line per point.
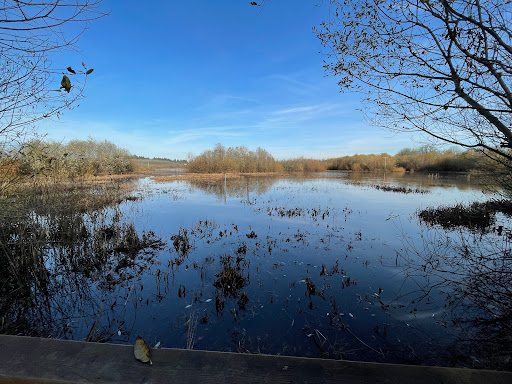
pixel 62 269
pixel 241 187
pixel 307 266
pixel 474 273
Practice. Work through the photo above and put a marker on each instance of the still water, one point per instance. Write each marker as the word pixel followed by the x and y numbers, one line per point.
pixel 327 266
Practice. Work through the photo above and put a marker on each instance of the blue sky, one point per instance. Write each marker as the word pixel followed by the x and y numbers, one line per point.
pixel 174 78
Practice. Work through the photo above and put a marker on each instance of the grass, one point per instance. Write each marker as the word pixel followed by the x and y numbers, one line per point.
pixel 56 241
pixel 191 330
pixel 148 165
pixel 477 216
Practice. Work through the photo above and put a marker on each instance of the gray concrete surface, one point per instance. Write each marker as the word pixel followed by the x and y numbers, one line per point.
pixel 35 360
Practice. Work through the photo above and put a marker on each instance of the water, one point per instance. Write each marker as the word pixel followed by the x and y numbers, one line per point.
pixel 325 266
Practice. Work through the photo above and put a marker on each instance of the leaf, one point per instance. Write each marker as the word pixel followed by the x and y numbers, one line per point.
pixel 141 351
pixel 71 70
pixel 89 71
pixel 83 65
pixel 65 83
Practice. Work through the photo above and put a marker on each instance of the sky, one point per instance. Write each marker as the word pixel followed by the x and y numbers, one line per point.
pixel 173 78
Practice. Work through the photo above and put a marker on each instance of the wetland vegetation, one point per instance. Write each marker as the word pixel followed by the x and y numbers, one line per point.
pixel 424 159
pixel 337 265
pixel 401 258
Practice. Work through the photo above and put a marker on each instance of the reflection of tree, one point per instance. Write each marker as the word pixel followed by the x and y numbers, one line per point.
pixel 474 273
pixel 240 187
pixel 416 180
pixel 58 271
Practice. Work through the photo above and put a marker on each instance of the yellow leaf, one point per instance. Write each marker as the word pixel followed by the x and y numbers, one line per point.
pixel 141 350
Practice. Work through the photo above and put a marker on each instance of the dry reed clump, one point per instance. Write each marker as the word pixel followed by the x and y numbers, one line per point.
pixel 477 216
pixel 231 279
pixel 78 196
pixel 392 188
pixel 181 242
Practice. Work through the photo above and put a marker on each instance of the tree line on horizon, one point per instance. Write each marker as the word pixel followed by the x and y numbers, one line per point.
pixel 234 160
pixel 82 158
pixel 424 159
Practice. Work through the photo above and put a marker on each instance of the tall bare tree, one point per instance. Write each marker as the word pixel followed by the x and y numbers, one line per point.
pixel 32 87
pixel 442 67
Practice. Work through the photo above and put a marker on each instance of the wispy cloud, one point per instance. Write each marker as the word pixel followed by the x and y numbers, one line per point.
pixel 202 133
pixel 295 110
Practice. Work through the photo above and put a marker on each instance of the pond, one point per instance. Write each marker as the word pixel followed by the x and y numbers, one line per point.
pixel 335 265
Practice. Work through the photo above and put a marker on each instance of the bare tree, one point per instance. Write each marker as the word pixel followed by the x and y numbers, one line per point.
pixel 442 67
pixel 32 88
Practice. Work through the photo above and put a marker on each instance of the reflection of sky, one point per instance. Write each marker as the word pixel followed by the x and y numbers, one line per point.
pixel 362 230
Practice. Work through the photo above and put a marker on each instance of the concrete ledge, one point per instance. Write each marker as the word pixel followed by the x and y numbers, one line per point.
pixel 35 360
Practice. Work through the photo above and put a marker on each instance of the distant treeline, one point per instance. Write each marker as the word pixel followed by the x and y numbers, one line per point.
pixel 176 161
pixel 74 159
pixel 237 160
pixel 423 159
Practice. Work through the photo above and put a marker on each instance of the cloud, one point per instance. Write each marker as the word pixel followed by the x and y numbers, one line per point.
pixel 295 110
pixel 201 133
pixel 319 130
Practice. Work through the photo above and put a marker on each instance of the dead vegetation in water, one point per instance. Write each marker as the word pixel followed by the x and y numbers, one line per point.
pixel 57 241
pixel 233 277
pixel 404 190
pixel 477 216
pixel 81 196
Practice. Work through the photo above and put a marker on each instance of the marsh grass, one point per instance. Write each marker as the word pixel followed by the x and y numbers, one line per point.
pixel 477 216
pixel 192 330
pixel 233 277
pixel 58 244
pixel 404 190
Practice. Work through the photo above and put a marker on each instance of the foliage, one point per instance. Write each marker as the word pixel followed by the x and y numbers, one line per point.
pixel 363 163
pixel 439 67
pixel 426 158
pixel 32 87
pixel 477 216
pixel 304 165
pixel 74 159
pixel 238 159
